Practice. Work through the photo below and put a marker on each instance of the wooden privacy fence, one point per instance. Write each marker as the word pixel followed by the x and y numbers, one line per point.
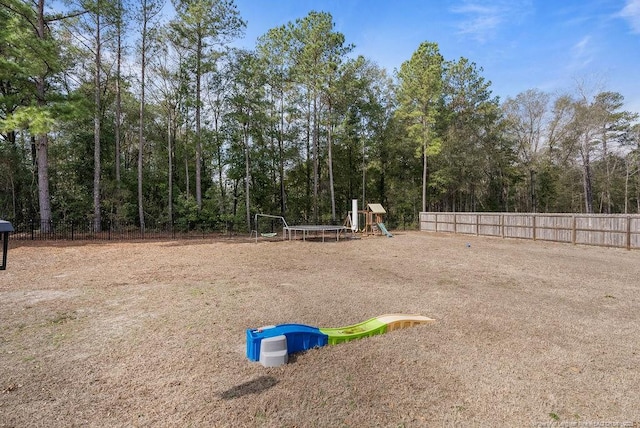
pixel 605 230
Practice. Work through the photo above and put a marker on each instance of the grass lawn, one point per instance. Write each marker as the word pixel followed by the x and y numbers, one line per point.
pixel 153 333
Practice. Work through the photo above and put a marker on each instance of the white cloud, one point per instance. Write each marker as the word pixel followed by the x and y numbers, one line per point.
pixel 580 47
pixel 631 12
pixel 582 53
pixel 483 19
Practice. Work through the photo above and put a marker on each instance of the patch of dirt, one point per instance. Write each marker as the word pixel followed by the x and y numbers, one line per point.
pixel 153 333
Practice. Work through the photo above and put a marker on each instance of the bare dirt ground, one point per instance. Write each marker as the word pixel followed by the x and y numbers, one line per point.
pixel 153 333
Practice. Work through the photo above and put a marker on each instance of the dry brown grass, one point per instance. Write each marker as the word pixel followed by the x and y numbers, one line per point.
pixel 153 333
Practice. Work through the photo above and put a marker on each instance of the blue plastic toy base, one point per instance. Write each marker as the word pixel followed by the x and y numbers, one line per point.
pixel 300 337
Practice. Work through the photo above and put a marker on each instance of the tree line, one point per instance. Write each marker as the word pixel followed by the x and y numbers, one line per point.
pixel 109 111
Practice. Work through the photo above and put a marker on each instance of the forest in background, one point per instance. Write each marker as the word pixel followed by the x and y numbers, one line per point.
pixel 112 112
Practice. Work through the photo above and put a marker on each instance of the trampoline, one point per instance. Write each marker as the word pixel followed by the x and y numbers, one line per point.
pixel 316 229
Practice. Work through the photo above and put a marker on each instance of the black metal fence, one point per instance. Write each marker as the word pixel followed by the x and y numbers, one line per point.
pixel 86 230
pixel 36 230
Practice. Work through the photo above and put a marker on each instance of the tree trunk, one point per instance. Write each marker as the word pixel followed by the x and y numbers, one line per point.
pixel 186 167
pixel 118 94
pixel 586 183
pixel 221 184
pixel 274 170
pixel 198 133
pixel 607 182
pixel 425 164
pixel 12 185
pixel 424 178
pixel 97 218
pixel 626 185
pixel 44 198
pixel 316 159
pixel 534 199
pixel 143 64
pixel 247 177
pixel 283 200
pixel 43 182
pixel 330 160
pixel 219 160
pixel 364 175
pixel 170 162
pixel 234 208
pixel 308 208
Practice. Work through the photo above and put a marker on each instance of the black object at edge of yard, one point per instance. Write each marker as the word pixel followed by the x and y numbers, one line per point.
pixel 5 228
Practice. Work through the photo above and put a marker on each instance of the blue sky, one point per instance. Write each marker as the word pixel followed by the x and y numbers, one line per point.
pixel 520 44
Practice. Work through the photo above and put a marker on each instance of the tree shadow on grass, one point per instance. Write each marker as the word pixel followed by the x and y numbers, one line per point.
pixel 255 386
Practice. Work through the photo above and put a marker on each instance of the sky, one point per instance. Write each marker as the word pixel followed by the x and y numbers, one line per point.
pixel 549 45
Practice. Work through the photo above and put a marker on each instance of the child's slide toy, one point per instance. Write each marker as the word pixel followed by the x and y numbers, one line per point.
pixel 300 337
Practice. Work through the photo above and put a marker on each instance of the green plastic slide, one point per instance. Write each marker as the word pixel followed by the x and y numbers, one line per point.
pixel 384 230
pixel 367 328
pixel 372 327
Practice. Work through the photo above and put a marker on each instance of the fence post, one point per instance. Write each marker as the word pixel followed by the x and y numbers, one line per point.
pixel 628 232
pixel 573 231
pixel 32 227
pixel 534 227
pixel 455 223
pixel 477 224
pixel 502 225
pixel 72 229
